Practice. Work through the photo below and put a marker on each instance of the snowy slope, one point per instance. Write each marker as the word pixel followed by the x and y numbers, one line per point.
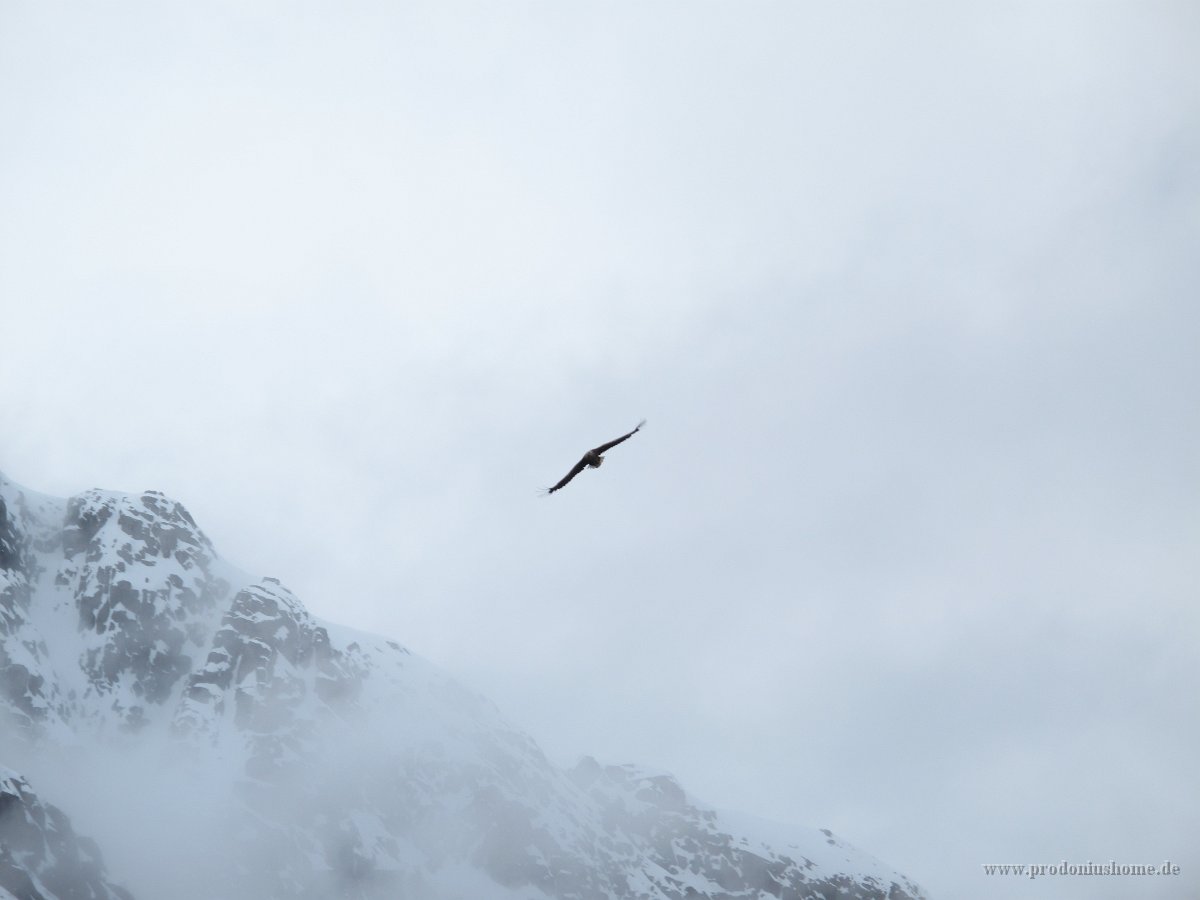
pixel 316 761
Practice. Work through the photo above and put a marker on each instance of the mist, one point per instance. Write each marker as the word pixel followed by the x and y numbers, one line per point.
pixel 907 548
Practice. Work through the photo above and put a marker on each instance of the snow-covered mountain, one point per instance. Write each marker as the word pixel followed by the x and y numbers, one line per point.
pixel 217 741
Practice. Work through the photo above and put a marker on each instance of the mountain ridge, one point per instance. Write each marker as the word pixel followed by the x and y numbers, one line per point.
pixel 336 763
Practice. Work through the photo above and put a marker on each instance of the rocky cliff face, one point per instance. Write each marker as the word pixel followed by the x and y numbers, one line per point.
pixel 31 700
pixel 128 592
pixel 41 856
pixel 141 582
pixel 340 765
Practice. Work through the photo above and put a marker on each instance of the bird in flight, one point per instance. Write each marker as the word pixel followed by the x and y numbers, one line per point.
pixel 593 458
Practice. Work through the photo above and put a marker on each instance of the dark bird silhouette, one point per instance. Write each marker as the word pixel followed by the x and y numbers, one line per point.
pixel 593 458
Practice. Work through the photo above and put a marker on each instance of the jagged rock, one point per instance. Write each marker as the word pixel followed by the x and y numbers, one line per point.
pixel 41 856
pixel 284 680
pixel 146 592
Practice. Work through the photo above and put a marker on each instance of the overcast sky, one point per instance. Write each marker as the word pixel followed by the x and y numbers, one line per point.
pixel 910 547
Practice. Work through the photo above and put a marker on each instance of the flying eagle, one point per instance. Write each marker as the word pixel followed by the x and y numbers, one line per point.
pixel 593 458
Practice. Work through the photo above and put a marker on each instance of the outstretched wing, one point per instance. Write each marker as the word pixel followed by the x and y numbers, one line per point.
pixel 623 437
pixel 579 466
